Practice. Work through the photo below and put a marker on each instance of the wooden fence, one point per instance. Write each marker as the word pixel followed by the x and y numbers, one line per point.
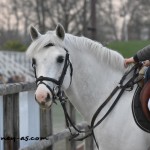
pixel 11 100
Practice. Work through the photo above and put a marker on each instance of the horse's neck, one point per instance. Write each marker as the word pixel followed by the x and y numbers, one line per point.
pixel 92 82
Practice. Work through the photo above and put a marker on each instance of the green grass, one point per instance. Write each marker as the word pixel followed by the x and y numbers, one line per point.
pixel 59 118
pixel 128 49
pixel 59 124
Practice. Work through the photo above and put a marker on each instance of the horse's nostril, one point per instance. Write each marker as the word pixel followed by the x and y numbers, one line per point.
pixel 48 97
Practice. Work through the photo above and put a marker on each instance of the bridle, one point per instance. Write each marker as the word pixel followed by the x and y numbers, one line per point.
pixel 57 90
pixel 57 93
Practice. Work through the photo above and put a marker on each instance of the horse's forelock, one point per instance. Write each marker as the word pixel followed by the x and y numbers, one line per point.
pixel 39 43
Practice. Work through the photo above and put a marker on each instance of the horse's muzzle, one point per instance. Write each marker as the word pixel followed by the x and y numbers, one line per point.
pixel 43 97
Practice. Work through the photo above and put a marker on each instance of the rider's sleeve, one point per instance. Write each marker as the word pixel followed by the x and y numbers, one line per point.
pixel 143 54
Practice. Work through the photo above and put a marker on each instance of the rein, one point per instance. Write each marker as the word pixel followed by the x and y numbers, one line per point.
pixel 58 93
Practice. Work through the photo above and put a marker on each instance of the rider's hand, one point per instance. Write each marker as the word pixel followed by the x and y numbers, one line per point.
pixel 128 61
pixel 146 63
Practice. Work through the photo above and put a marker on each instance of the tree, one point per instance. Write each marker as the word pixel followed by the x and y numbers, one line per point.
pixel 108 20
pixel 127 12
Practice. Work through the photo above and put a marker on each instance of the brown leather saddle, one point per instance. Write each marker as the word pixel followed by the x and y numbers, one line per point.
pixel 140 107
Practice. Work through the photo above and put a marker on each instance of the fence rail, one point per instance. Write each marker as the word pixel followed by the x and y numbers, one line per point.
pixel 54 138
pixel 16 88
pixel 10 94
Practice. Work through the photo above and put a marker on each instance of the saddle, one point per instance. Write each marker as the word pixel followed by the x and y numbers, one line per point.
pixel 140 107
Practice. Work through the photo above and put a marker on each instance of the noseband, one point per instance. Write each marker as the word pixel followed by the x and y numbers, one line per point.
pixel 57 90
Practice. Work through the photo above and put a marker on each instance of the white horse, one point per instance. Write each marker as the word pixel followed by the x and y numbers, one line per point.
pixel 96 72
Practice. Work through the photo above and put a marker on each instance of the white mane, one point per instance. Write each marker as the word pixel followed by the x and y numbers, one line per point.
pixel 101 53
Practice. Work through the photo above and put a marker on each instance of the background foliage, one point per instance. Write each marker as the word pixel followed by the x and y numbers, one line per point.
pixel 128 49
pixel 14 45
pixel 101 20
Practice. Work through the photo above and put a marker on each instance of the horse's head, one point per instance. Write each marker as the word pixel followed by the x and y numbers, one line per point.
pixel 50 62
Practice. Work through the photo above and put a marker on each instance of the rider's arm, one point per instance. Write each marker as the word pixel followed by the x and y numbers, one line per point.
pixel 143 54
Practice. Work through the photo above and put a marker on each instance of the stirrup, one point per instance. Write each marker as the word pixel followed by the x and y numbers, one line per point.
pixel 149 104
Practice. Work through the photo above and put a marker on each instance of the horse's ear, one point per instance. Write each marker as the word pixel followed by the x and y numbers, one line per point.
pixel 34 33
pixel 60 32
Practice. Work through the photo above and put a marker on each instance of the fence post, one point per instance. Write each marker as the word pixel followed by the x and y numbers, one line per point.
pixel 11 121
pixel 71 145
pixel 46 127
pixel 1 122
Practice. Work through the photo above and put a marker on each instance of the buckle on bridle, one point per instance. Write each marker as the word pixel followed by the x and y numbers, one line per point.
pixel 119 85
pixel 56 90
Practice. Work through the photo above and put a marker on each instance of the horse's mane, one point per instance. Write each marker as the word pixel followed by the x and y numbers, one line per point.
pixel 100 52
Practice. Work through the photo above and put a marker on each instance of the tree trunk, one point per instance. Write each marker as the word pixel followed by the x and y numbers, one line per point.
pixel 93 19
pixel 84 18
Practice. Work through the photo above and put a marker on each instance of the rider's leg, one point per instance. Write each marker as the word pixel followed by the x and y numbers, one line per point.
pixel 147 75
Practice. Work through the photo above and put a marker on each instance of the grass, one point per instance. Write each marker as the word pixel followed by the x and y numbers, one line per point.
pixel 59 118
pixel 128 49
pixel 59 124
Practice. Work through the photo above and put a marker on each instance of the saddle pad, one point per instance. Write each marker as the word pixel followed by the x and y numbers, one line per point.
pixel 138 114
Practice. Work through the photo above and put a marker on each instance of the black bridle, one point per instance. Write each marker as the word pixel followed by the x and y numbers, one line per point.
pixel 57 90
pixel 57 93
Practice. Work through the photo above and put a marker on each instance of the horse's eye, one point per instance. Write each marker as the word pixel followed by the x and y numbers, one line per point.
pixel 33 61
pixel 49 45
pixel 60 59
